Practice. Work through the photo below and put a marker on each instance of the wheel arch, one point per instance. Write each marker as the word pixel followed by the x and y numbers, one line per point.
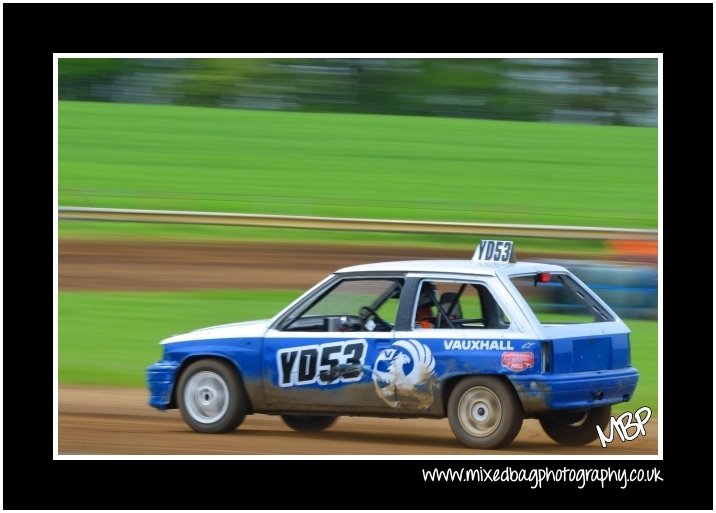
pixel 450 384
pixel 195 358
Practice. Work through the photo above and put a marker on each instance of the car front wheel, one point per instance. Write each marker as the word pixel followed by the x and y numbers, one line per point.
pixel 575 427
pixel 484 412
pixel 211 398
pixel 309 423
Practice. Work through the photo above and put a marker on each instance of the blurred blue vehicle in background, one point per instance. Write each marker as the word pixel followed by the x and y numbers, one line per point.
pixel 631 291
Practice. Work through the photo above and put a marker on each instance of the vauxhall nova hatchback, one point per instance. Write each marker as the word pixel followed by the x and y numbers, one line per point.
pixel 481 342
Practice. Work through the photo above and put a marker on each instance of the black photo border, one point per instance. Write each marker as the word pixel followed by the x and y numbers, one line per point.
pixel 33 32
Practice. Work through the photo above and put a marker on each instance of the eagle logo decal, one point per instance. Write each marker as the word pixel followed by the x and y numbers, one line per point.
pixel 404 374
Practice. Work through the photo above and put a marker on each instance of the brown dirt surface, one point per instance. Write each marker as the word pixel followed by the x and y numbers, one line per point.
pixel 117 421
pixel 113 265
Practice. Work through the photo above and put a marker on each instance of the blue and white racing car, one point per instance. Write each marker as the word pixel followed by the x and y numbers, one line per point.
pixel 477 341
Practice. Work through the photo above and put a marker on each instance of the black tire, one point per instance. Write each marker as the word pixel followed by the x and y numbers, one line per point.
pixel 484 412
pixel 309 423
pixel 211 397
pixel 575 427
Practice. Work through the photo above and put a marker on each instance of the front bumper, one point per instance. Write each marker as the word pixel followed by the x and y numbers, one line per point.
pixel 160 381
pixel 578 390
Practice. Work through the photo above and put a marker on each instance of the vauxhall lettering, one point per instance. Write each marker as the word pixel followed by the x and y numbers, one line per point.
pixel 479 345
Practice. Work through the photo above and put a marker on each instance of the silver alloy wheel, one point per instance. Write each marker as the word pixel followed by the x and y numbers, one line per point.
pixel 479 411
pixel 206 397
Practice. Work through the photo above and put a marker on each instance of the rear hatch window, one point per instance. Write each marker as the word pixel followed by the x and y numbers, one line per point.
pixel 556 298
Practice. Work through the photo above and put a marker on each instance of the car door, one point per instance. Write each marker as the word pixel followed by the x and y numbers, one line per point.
pixel 320 356
pixel 473 330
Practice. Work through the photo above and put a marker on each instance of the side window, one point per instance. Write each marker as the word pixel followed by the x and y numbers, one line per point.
pixel 458 305
pixel 367 304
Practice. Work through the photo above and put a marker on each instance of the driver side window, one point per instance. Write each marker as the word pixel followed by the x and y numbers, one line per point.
pixel 458 305
pixel 367 304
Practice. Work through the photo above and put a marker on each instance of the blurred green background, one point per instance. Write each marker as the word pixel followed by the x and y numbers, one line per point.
pixel 535 141
pixel 348 165
pixel 603 91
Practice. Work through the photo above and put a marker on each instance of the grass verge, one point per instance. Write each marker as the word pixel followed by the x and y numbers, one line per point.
pixel 156 232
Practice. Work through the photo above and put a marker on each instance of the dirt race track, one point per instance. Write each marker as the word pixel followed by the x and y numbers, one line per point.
pixel 182 266
pixel 118 421
pixel 107 421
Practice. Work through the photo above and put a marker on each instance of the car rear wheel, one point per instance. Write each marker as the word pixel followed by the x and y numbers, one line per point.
pixel 211 398
pixel 309 423
pixel 484 412
pixel 575 427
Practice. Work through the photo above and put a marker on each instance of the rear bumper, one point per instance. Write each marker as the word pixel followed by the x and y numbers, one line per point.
pixel 160 381
pixel 579 390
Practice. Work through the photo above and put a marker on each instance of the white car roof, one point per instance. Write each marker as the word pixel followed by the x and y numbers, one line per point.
pixel 454 266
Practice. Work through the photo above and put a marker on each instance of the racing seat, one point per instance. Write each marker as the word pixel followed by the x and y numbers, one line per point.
pixel 446 302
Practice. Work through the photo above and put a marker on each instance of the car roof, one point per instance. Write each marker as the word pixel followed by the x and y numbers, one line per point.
pixel 454 267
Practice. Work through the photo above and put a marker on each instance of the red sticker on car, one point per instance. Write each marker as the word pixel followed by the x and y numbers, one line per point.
pixel 517 361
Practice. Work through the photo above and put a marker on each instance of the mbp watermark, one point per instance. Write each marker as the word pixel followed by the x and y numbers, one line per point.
pixel 623 423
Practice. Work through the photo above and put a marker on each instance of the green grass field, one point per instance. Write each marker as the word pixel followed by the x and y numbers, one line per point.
pixel 109 338
pixel 399 167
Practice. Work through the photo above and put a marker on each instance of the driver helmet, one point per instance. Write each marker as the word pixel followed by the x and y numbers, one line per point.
pixel 426 295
